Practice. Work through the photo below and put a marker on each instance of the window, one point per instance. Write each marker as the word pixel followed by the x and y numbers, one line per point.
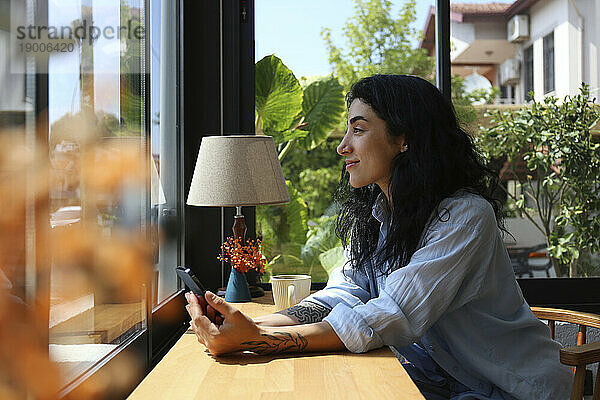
pixel 44 205
pixel 94 193
pixel 97 201
pixel 528 72
pixel 549 63
pixel 300 236
pixel 507 93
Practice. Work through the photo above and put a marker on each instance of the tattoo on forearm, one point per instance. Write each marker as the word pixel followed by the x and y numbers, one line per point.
pixel 307 312
pixel 278 342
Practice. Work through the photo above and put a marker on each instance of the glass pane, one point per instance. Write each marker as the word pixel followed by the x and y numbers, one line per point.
pixel 340 44
pixel 550 203
pixel 76 183
pixel 98 184
pixel 165 215
pixel 548 62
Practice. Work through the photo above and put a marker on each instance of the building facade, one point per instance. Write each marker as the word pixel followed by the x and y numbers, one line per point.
pixel 545 46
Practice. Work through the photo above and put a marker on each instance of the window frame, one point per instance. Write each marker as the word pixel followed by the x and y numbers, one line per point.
pixel 169 320
pixel 227 107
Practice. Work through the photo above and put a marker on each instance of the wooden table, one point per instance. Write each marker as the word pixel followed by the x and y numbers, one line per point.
pixel 188 371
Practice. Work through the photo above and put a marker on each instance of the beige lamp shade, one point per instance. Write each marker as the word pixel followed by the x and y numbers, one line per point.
pixel 237 170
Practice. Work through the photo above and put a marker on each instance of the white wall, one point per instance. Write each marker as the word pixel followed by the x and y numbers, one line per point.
pixel 525 233
pixel 544 17
pixel 461 36
pixel 464 32
pixel 590 10
pixel 567 59
pixel 490 30
pixel 538 68
pixel 573 63
pixel 594 74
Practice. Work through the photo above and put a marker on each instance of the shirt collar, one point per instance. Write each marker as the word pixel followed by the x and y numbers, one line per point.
pixel 381 210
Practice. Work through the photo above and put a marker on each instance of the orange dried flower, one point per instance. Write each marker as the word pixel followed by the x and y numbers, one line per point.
pixel 243 257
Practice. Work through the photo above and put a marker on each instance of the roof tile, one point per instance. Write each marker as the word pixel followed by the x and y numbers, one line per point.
pixel 479 8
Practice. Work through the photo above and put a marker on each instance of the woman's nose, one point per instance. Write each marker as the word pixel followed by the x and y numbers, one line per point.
pixel 343 148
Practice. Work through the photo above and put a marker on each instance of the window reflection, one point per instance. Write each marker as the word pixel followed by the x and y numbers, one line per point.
pixel 165 160
pixel 78 187
pixel 97 200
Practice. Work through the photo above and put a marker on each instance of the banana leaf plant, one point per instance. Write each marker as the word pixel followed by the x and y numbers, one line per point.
pixel 323 251
pixel 293 116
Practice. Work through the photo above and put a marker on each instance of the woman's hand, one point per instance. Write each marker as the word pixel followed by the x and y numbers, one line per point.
pixel 227 337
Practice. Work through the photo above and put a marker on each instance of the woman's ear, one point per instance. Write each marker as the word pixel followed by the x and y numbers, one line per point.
pixel 400 143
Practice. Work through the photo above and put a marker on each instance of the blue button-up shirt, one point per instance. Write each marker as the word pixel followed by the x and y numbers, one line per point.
pixel 459 299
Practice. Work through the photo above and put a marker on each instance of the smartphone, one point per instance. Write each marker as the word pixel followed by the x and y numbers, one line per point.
pixel 190 280
pixel 193 283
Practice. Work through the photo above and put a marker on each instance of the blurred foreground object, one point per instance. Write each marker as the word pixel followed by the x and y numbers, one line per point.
pixel 74 258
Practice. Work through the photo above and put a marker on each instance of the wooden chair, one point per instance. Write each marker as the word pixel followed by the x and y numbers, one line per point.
pixel 581 354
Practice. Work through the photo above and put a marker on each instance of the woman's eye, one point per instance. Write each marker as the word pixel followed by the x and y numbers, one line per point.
pixel 357 130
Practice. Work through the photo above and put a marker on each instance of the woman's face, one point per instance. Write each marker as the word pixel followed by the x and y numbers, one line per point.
pixel 368 148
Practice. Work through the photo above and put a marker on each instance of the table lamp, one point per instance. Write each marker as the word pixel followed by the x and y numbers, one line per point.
pixel 236 171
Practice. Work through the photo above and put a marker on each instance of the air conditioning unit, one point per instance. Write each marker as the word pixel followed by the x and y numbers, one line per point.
pixel 509 72
pixel 518 28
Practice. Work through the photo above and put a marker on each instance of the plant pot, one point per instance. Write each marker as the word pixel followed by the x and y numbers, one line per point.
pixel 237 288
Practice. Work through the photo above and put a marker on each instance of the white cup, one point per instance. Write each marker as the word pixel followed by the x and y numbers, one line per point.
pixel 289 290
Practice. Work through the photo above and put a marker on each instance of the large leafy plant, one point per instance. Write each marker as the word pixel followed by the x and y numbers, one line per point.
pixel 295 117
pixel 559 190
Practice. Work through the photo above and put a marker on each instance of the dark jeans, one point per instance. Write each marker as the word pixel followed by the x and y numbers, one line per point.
pixel 433 382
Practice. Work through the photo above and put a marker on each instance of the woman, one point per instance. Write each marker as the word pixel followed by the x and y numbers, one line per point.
pixel 427 271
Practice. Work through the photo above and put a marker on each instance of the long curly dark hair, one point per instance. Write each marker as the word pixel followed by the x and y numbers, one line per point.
pixel 441 159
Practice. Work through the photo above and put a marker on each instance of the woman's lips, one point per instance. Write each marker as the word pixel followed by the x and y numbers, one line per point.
pixel 351 164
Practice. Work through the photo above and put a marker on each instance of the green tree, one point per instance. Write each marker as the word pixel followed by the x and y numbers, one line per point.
pixel 560 189
pixel 377 42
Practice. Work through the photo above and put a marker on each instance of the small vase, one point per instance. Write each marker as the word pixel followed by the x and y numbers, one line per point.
pixel 237 288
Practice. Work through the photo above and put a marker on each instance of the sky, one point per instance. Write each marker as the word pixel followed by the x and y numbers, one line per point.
pixel 289 29
pixel 292 29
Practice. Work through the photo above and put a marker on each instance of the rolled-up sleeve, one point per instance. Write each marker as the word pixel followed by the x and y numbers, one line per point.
pixel 442 276
pixel 345 286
